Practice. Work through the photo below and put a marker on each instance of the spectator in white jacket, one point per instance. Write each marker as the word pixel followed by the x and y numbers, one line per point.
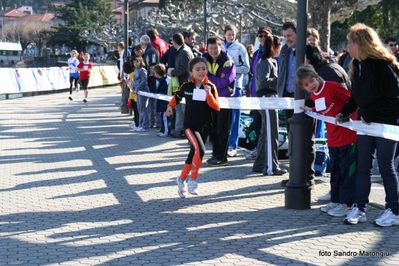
pixel 239 54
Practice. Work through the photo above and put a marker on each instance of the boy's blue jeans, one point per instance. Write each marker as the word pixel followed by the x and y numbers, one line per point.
pixel 235 122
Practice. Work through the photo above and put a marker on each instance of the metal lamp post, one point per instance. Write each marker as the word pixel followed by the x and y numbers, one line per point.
pixel 125 91
pixel 240 8
pixel 208 20
pixel 297 192
pixel 205 22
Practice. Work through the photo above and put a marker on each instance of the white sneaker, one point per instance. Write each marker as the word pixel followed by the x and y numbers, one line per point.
pixel 325 197
pixel 133 126
pixel 160 134
pixel 77 89
pixel 387 218
pixel 329 207
pixel 231 152
pixel 181 189
pixel 252 155
pixel 355 216
pixel 340 210
pixel 192 187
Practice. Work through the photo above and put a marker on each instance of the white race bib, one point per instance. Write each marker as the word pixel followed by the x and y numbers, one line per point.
pixel 199 95
pixel 320 104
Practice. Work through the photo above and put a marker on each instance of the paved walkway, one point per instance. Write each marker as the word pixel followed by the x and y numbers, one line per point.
pixel 79 187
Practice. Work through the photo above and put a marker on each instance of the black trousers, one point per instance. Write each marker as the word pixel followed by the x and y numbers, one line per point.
pixel 220 133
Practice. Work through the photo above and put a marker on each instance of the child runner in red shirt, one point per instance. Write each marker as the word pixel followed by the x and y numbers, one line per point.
pixel 84 68
pixel 201 98
pixel 329 98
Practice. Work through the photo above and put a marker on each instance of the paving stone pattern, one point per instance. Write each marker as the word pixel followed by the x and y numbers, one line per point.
pixel 79 187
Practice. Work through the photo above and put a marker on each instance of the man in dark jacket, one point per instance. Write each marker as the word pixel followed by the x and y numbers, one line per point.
pixel 286 88
pixel 189 40
pixel 182 58
pixel 151 58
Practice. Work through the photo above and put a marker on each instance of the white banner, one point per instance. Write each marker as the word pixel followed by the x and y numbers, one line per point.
pixel 9 82
pixel 17 80
pixel 374 129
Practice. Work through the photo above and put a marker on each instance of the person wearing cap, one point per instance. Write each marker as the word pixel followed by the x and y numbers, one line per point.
pixel 183 56
pixel 263 32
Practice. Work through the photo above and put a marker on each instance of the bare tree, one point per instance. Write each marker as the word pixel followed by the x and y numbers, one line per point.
pixel 322 13
pixel 39 35
pixel 26 33
pixel 18 32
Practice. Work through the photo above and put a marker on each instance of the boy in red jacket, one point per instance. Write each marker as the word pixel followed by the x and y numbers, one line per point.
pixel 329 98
pixel 84 68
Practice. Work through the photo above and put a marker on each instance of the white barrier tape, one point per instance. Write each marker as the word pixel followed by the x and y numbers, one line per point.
pixel 374 129
pixel 244 103
pixel 155 95
pixel 249 103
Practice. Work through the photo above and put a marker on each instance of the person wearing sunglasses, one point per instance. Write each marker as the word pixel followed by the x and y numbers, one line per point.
pixel 263 32
pixel 392 44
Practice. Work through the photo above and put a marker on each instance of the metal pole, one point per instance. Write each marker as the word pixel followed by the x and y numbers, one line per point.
pixel 125 91
pixel 297 192
pixel 125 26
pixel 205 23
pixel 240 28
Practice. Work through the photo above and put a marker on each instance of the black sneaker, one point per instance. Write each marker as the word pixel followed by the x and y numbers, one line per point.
pixel 210 160
pixel 177 134
pixel 70 98
pixel 275 172
pixel 216 162
pixel 85 100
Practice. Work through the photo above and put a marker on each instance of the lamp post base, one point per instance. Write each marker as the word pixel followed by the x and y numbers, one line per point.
pixel 297 190
pixel 297 198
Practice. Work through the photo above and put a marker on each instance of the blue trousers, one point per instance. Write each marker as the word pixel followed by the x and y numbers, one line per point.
pixel 142 106
pixel 385 151
pixel 235 122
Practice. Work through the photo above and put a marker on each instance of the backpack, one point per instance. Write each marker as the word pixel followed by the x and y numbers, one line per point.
pixel 246 133
pixel 321 160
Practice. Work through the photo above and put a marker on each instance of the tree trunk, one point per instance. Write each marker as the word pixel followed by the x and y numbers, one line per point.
pixel 320 20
